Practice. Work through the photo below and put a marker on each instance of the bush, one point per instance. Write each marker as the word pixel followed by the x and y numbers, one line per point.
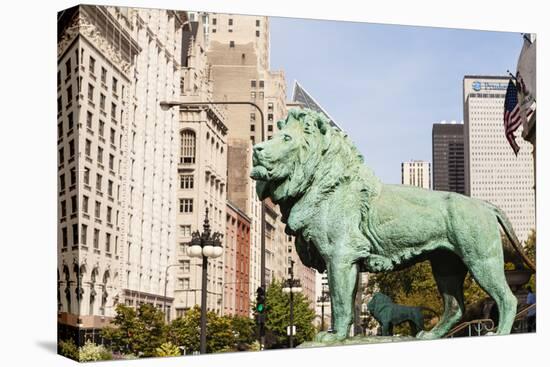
pixel 92 352
pixel 167 350
pixel 67 348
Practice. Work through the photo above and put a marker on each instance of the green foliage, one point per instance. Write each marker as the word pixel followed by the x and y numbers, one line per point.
pixel 137 332
pixel 90 352
pixel 278 317
pixel 223 333
pixel 68 348
pixel 167 349
pixel 530 249
pixel 416 286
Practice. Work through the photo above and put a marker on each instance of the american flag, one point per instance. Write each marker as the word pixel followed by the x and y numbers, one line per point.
pixel 512 115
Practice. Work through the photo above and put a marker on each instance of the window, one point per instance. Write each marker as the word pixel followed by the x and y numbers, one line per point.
pixel 257 22
pixel 214 21
pixel 257 33
pixel 63 209
pixel 103 75
pixel 186 265
pixel 60 130
pixel 230 21
pixel 74 204
pixel 107 242
pixel 69 94
pixel 92 65
pixel 261 83
pixel 187 146
pixel 85 201
pixel 186 205
pixel 58 79
pixel 252 117
pixel 90 92
pixel 68 68
pixel 70 121
pixel 61 155
pixel 98 182
pixel 75 234
pixel 109 214
pixel 252 95
pixel 252 128
pixel 62 182
pixel 113 111
pixel 86 175
pixel 84 234
pixel 186 182
pixel 71 149
pixel 110 188
pixel 115 85
pixel 102 101
pixel 59 105
pixel 113 136
pixel 270 117
pixel 111 162
pixel 100 155
pixel 252 84
pixel 73 176
pixel 64 236
pixel 270 106
pixel 231 44
pixel 96 238
pixel 183 283
pixel 270 128
pixel 97 212
pixel 185 230
pixel 261 95
pixel 88 147
pixel 89 119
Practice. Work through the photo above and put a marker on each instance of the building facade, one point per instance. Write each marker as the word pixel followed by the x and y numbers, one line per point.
pixel 236 299
pixel 492 171
pixel 448 157
pixel 201 174
pixel 116 158
pixel 416 173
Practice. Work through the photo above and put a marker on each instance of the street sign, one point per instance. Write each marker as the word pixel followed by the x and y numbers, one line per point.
pixel 293 330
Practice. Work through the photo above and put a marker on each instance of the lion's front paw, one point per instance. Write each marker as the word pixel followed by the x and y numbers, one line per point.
pixel 327 337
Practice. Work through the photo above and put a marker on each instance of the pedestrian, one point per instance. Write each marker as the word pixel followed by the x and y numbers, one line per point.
pixel 532 313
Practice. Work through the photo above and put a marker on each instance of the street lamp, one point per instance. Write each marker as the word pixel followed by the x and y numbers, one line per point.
pixel 323 299
pixel 291 286
pixel 166 106
pixel 205 245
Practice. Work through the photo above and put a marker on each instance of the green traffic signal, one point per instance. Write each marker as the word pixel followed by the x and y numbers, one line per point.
pixel 260 307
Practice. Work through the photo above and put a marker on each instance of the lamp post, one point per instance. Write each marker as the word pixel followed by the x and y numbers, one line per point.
pixel 291 286
pixel 324 298
pixel 167 106
pixel 205 245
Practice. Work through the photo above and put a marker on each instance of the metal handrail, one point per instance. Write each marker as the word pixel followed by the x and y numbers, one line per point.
pixel 524 311
pixel 467 324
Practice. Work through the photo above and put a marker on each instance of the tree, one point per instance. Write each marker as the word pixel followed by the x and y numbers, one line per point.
pixel 244 330
pixel 530 249
pixel 68 348
pixel 278 317
pixel 138 332
pixel 91 352
pixel 220 334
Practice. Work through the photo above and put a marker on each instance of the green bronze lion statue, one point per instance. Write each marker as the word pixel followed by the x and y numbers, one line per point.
pixel 389 314
pixel 346 221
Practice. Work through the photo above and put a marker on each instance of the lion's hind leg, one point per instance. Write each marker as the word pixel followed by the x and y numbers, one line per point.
pixel 449 273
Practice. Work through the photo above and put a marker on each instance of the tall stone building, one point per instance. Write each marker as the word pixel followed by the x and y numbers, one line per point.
pixel 416 173
pixel 492 171
pixel 448 157
pixel 117 162
pixel 202 167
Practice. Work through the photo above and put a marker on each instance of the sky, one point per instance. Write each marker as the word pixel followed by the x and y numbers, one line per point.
pixel 386 85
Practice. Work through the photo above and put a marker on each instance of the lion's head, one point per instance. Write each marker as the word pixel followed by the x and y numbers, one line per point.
pixel 284 165
pixel 377 301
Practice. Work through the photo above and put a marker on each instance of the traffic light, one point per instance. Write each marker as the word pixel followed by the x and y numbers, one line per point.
pixel 260 300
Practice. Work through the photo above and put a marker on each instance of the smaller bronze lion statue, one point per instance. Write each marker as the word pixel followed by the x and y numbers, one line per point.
pixel 389 314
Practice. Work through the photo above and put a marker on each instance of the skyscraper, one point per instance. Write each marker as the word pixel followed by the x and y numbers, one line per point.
pixel 306 100
pixel 448 157
pixel 492 171
pixel 416 173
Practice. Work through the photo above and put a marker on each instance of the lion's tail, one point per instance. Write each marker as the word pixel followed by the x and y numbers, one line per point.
pixel 424 308
pixel 509 230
